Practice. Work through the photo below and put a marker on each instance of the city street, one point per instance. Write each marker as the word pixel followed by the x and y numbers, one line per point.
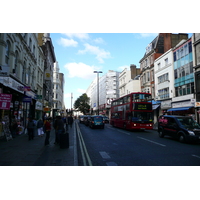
pixel 117 147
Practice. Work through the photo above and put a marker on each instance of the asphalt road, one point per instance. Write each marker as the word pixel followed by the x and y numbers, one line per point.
pixel 117 147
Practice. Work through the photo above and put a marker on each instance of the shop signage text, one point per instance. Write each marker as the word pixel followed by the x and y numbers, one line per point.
pixel 5 100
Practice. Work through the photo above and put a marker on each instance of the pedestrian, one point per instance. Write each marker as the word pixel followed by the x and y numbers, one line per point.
pixel 30 127
pixel 40 128
pixel 59 128
pixel 13 127
pixel 70 120
pixel 47 125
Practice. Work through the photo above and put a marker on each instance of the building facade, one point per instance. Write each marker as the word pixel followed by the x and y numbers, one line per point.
pixel 19 61
pixel 196 64
pixel 58 91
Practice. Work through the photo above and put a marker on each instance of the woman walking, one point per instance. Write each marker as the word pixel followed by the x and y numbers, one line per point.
pixel 47 126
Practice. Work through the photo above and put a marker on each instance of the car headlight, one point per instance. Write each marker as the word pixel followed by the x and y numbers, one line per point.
pixel 191 133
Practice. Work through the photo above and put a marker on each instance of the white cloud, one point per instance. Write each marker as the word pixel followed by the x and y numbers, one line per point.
pixel 144 35
pixel 77 35
pixel 68 42
pixel 99 41
pixel 80 70
pixel 121 68
pixel 100 53
pixel 79 90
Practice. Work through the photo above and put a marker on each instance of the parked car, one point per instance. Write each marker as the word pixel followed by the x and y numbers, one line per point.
pixel 106 119
pixel 81 118
pixel 184 128
pixel 86 120
pixel 96 121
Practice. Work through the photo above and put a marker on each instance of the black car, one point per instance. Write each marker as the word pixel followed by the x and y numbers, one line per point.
pixel 184 128
pixel 86 120
pixel 106 120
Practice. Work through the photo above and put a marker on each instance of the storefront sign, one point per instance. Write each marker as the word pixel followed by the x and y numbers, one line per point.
pixel 11 83
pixel 197 104
pixel 38 105
pixel 27 99
pixel 182 104
pixel 5 100
pixel 30 94
pixel 47 109
pixel 166 104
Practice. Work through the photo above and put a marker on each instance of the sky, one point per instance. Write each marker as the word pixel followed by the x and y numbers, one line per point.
pixel 79 54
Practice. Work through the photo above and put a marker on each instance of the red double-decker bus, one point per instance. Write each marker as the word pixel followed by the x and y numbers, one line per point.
pixel 132 111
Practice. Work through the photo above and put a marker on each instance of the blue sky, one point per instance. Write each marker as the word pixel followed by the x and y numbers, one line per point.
pixel 79 54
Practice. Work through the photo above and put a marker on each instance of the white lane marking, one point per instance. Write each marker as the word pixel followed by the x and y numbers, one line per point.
pixel 196 156
pixel 152 141
pixel 104 155
pixel 119 130
pixel 111 163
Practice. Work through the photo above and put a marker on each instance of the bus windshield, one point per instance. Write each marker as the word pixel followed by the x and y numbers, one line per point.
pixel 145 117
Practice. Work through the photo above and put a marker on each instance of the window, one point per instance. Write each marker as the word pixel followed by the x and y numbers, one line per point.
pixel 30 43
pixel 16 62
pixel 166 61
pixel 23 72
pixel 174 56
pixel 7 52
pixel 148 76
pixel 190 46
pixel 158 65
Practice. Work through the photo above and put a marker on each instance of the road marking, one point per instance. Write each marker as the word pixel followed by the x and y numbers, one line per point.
pixel 152 141
pixel 119 130
pixel 104 155
pixel 196 156
pixel 111 163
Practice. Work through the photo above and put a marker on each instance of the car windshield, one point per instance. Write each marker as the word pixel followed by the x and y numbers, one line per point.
pixel 188 122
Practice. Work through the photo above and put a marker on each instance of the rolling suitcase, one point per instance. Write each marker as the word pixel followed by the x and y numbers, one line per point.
pixel 64 140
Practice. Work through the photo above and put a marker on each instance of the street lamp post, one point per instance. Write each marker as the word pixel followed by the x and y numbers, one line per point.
pixel 98 90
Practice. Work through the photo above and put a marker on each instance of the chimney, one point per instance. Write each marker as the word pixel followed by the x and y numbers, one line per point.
pixel 134 71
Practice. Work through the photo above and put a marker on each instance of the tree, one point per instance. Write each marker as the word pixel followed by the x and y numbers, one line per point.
pixel 82 103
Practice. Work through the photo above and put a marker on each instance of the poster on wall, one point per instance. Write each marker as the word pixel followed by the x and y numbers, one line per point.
pixel 5 100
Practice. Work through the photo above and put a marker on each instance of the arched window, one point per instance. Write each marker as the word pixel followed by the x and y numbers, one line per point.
pixel 16 62
pixel 7 52
pixel 24 72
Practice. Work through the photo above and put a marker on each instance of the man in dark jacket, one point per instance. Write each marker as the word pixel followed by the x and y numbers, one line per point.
pixel 30 128
pixel 70 120
pixel 59 128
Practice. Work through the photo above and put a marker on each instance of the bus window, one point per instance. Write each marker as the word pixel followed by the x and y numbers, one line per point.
pixel 141 97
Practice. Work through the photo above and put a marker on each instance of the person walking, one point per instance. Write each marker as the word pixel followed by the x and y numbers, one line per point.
pixel 30 128
pixel 47 125
pixel 59 128
pixel 70 120
pixel 13 127
pixel 40 128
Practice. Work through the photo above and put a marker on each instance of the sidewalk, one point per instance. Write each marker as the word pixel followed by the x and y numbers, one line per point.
pixel 22 152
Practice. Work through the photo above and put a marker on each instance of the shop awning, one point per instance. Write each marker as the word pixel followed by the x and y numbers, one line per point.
pixel 178 109
pixel 155 106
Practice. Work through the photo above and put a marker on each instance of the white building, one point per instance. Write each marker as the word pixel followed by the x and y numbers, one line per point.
pixel 108 91
pixel 128 85
pixel 164 82
pixel 58 89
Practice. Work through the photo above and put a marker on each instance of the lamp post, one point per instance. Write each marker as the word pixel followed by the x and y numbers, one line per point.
pixel 98 90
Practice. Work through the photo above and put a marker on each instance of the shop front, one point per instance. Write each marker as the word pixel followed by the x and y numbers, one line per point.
pixel 184 108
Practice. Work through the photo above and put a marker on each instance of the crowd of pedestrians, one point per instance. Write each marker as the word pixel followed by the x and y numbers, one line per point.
pixel 43 127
